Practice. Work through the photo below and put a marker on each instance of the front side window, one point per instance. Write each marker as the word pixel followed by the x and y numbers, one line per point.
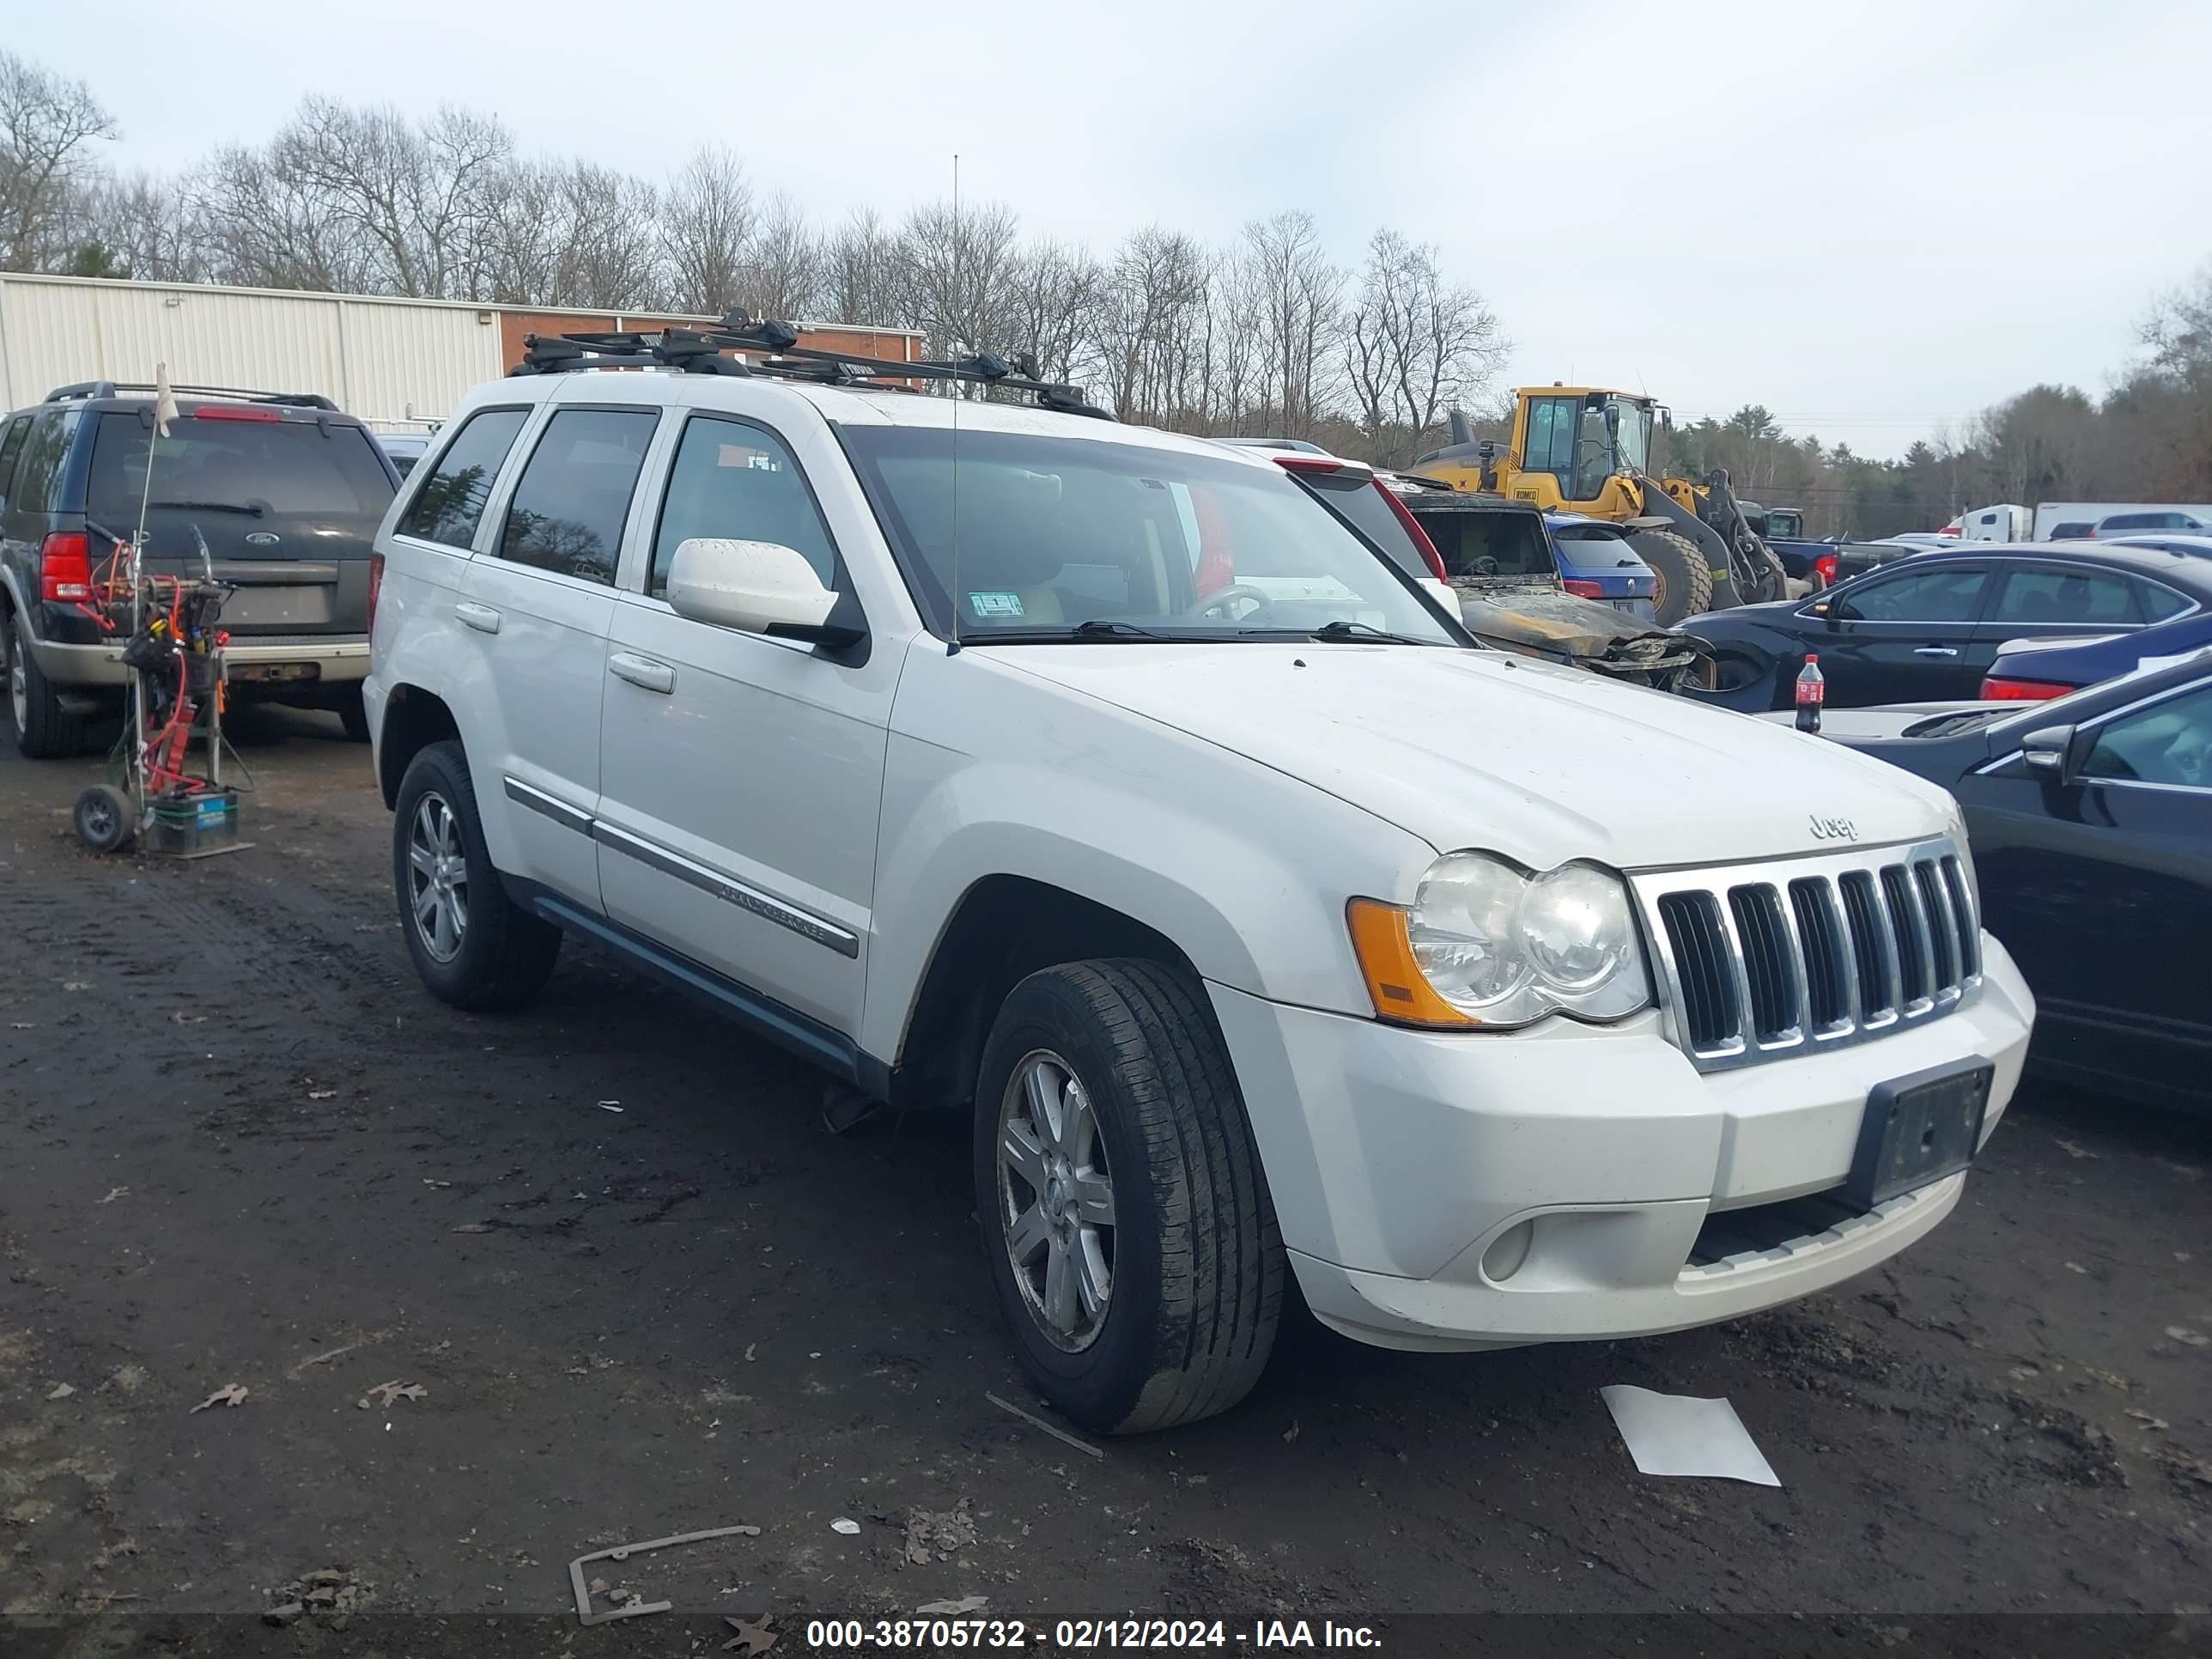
pixel 574 492
pixel 450 503
pixel 2168 743
pixel 1056 533
pixel 2059 598
pixel 1949 595
pixel 734 480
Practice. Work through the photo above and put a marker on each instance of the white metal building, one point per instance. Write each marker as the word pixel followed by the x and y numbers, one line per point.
pixel 391 362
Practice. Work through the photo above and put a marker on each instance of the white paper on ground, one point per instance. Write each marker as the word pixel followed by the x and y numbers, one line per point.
pixel 1680 1434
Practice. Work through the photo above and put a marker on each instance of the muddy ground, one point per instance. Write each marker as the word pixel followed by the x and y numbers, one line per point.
pixel 238 1145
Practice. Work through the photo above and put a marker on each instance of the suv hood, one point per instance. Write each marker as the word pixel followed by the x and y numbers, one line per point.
pixel 1475 748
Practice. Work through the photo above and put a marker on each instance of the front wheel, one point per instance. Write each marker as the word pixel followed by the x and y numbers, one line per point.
pixel 1686 579
pixel 473 945
pixel 1125 1214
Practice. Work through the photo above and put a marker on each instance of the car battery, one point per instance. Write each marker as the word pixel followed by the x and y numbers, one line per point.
pixel 193 825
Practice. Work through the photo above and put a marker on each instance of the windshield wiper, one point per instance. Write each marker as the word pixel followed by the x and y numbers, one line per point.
pixel 215 506
pixel 1344 629
pixel 1095 628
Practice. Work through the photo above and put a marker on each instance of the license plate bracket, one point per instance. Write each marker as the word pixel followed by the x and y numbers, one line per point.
pixel 1917 1129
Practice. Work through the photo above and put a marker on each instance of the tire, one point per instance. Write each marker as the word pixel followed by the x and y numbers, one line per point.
pixel 1686 579
pixel 105 819
pixel 353 714
pixel 490 953
pixel 1195 1284
pixel 44 729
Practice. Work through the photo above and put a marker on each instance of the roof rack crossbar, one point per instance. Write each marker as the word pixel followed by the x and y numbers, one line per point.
pixel 700 350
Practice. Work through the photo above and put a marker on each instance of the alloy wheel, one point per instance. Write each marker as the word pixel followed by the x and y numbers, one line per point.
pixel 437 878
pixel 1056 1200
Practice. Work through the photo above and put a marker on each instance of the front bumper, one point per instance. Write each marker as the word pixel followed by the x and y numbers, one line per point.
pixel 338 658
pixel 1396 1158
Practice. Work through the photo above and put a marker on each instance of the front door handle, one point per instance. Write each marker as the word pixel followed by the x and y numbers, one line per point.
pixel 481 618
pixel 642 670
pixel 1935 650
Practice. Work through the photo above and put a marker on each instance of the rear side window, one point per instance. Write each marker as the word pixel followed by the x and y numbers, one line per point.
pixel 738 481
pixel 448 506
pixel 36 488
pixel 2062 597
pixel 2159 602
pixel 1359 502
pixel 10 447
pixel 569 504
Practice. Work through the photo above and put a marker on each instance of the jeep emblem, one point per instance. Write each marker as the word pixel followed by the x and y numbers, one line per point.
pixel 1834 829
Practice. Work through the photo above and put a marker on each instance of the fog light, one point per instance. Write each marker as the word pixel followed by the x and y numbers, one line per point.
pixel 1507 1252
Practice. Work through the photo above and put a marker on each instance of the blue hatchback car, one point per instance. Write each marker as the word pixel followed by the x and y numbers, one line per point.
pixel 1596 561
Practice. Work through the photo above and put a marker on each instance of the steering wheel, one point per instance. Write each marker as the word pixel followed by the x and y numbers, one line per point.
pixel 1214 603
pixel 1486 566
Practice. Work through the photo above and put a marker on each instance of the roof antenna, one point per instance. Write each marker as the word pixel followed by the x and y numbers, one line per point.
pixel 955 647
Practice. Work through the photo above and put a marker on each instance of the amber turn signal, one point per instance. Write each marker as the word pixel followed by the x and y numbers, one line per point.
pixel 1394 981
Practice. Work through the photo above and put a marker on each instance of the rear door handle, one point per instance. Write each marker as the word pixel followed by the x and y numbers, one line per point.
pixel 481 618
pixel 642 670
pixel 1935 650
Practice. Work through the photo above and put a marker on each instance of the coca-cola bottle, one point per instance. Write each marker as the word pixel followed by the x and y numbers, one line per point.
pixel 1812 692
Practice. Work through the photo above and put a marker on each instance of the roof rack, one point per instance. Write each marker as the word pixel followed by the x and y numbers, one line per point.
pixel 700 351
pixel 88 389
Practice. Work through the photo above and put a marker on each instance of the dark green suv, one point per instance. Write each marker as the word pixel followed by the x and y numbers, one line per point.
pixel 286 492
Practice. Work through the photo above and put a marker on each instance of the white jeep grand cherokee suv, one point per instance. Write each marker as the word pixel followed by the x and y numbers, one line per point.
pixel 1096 781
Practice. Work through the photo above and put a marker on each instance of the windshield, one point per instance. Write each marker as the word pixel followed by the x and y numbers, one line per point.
pixel 1056 532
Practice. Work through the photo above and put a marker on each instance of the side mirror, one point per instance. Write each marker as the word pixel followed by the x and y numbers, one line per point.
pixel 758 587
pixel 2054 753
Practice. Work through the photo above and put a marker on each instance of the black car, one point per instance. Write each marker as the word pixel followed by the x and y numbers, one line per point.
pixel 2090 820
pixel 285 491
pixel 1926 630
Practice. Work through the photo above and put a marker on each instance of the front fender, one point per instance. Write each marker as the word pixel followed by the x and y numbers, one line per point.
pixel 993 772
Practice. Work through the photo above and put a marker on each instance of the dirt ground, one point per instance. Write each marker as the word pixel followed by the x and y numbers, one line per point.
pixel 240 1144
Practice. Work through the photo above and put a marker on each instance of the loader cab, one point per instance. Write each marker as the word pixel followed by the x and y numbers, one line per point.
pixel 1582 438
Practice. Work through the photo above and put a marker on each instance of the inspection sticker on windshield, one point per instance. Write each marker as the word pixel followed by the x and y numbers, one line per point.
pixel 995 604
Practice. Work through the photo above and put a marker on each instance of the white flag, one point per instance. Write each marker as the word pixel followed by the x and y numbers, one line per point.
pixel 165 401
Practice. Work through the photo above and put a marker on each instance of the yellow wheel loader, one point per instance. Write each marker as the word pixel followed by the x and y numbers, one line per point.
pixel 1586 449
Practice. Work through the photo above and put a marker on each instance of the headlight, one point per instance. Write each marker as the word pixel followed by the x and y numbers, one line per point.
pixel 1486 943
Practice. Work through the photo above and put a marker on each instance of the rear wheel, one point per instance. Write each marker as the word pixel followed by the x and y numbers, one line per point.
pixel 1686 579
pixel 44 729
pixel 1124 1212
pixel 472 944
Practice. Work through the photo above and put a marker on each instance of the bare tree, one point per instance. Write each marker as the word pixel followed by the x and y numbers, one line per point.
pixel 860 275
pixel 782 264
pixel 141 226
pixel 1155 291
pixel 270 228
pixel 420 198
pixel 48 126
pixel 1414 346
pixel 1053 295
pixel 708 225
pixel 956 270
pixel 1299 292
pixel 611 258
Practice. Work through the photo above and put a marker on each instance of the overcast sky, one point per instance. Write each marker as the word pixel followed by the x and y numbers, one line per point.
pixel 1875 219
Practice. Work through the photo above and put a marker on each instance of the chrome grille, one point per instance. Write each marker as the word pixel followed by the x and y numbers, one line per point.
pixel 1766 960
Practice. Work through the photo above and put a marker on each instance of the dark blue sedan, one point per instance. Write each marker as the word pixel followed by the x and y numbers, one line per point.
pixel 2027 670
